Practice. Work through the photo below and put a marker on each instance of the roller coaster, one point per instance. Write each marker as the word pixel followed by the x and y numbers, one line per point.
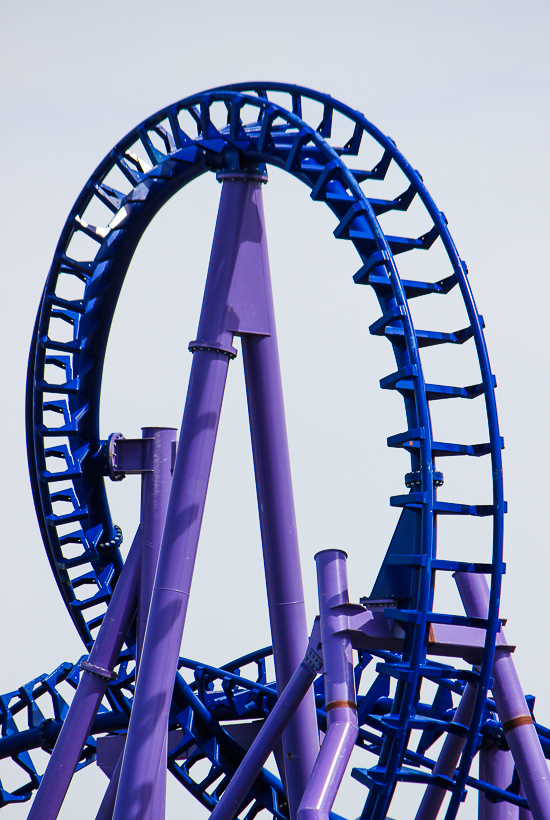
pixel 428 697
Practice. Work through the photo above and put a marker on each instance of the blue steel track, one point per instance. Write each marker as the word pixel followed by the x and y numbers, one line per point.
pixel 68 459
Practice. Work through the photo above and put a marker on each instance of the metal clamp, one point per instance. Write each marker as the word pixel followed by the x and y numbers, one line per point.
pixel 414 479
pixel 240 174
pixel 114 474
pixel 98 671
pixel 227 350
pixel 113 544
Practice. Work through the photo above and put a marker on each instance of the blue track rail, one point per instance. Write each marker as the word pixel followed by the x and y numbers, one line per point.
pixel 248 125
pixel 204 709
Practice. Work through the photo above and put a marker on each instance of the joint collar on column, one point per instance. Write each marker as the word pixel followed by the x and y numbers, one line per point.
pixel 258 173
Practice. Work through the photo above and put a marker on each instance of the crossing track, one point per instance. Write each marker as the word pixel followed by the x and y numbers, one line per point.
pixel 254 125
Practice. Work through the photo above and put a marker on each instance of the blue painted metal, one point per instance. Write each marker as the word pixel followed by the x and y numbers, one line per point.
pixel 158 158
pixel 236 691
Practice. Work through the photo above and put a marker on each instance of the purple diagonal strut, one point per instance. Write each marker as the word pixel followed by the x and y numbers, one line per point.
pixel 511 704
pixel 254 319
pixel 524 814
pixel 153 694
pixel 234 301
pixel 448 757
pixel 496 767
pixel 91 689
pixel 270 733
pixel 107 807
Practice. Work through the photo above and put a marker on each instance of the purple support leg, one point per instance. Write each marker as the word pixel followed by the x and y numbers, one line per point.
pixel 275 498
pixel 524 814
pixel 496 767
pixel 107 807
pixel 148 723
pixel 212 351
pixel 512 707
pixel 448 757
pixel 155 492
pixel 270 733
pixel 96 673
pixel 341 708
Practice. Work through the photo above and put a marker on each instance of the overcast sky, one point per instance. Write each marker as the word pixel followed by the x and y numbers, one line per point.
pixel 462 87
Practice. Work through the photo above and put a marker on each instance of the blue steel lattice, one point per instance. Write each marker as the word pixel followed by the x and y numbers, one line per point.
pixel 198 709
pixel 158 158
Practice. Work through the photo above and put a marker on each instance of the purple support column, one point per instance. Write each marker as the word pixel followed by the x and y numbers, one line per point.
pixel 254 320
pixel 524 814
pixel 270 733
pixel 341 708
pixel 511 704
pixel 155 492
pixel 496 767
pixel 448 757
pixel 96 673
pixel 156 480
pixel 107 807
pixel 212 351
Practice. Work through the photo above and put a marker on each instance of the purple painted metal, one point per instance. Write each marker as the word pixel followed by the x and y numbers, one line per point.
pixel 253 318
pixel 155 492
pixel 369 629
pixel 448 757
pixel 496 767
pixel 342 727
pixel 157 808
pixel 524 814
pixel 271 732
pixel 107 807
pixel 512 707
pixel 105 811
pixel 90 691
pixel 237 299
pixel 212 351
pixel 148 722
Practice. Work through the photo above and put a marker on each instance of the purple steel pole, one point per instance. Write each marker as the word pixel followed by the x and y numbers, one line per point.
pixel 340 700
pixel 496 767
pixel 155 492
pixel 96 674
pixel 270 733
pixel 512 707
pixel 107 807
pixel 212 351
pixel 256 325
pixel 448 757
pixel 524 814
